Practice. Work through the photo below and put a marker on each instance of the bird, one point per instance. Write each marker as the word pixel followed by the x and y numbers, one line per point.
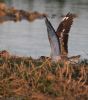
pixel 59 39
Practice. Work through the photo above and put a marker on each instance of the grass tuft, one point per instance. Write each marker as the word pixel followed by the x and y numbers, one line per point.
pixel 23 78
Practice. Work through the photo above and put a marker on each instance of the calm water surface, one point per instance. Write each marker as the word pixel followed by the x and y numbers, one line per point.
pixel 30 38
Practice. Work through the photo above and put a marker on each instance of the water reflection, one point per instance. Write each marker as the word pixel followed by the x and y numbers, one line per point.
pixel 30 39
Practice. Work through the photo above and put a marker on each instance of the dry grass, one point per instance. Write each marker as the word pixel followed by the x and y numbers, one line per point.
pixel 29 79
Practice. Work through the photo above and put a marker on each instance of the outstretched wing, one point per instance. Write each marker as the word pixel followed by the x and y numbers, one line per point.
pixel 53 39
pixel 63 30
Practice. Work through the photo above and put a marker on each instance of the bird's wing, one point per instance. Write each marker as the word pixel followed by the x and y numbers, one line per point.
pixel 53 39
pixel 63 30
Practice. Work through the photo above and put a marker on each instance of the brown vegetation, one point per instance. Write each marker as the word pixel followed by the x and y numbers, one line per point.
pixel 13 14
pixel 24 78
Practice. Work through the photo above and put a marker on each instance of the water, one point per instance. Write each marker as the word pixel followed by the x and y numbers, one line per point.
pixel 30 38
